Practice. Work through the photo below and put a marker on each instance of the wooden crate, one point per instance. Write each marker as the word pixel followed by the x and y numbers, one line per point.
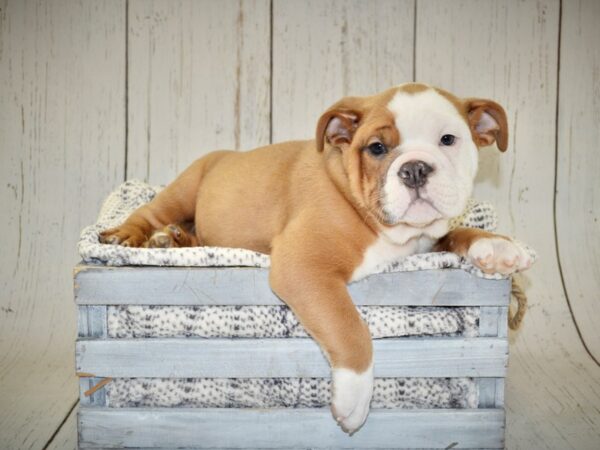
pixel 97 357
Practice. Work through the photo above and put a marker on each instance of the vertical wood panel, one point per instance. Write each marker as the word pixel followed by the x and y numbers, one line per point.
pixel 578 185
pixel 61 150
pixel 324 50
pixel 508 51
pixel 199 74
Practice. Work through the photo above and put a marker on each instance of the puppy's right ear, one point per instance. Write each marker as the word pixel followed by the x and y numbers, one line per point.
pixel 338 124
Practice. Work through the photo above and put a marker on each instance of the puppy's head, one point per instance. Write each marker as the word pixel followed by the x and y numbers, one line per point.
pixel 410 153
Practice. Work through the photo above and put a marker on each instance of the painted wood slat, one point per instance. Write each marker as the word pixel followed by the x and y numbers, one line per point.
pixel 288 428
pixel 503 322
pixel 91 321
pixel 231 358
pixel 249 286
pixel 326 49
pixel 488 320
pixel 199 448
pixel 199 74
pixel 489 323
pixel 578 165
pixel 97 398
pixel 487 392
pixel 500 383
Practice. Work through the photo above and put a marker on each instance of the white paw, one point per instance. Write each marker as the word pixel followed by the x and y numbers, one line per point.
pixel 498 255
pixel 352 394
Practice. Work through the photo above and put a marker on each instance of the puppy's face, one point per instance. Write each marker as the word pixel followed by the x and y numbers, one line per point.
pixel 410 153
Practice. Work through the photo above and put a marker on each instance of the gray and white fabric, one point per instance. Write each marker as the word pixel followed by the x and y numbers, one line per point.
pixel 276 321
pixel 285 393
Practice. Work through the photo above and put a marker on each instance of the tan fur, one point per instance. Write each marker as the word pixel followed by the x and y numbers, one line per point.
pixel 312 205
pixel 460 240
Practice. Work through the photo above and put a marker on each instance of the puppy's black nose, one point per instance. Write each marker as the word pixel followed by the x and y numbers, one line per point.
pixel 414 173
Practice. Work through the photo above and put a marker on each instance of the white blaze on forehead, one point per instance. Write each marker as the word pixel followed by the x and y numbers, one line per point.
pixel 420 114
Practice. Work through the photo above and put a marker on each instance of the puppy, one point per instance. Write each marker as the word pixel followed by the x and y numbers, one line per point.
pixel 381 180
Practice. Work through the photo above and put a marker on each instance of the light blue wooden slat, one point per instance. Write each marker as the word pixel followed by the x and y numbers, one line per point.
pixel 200 448
pixel 488 320
pixel 246 286
pixel 91 321
pixel 287 428
pixel 503 322
pixel 487 392
pixel 97 399
pixel 230 358
pixel 489 324
pixel 500 382
pixel 82 321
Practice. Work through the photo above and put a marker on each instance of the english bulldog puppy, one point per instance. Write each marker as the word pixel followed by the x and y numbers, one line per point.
pixel 382 180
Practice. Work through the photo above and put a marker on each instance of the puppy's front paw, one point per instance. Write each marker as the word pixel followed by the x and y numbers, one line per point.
pixel 352 394
pixel 498 255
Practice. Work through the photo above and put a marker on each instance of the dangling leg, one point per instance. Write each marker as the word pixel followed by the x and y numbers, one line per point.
pixel 318 296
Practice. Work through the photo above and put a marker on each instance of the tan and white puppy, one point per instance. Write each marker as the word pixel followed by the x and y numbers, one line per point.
pixel 383 178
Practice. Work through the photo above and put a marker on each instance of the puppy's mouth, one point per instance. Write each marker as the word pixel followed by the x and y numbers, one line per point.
pixel 421 210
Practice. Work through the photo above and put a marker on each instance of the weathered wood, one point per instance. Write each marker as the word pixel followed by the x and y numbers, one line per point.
pixel 508 51
pixel 204 286
pixel 578 165
pixel 97 398
pixel 199 74
pixel 66 437
pixel 230 358
pixel 288 428
pixel 62 134
pixel 324 50
pixel 487 392
pixel 500 383
pixel 503 322
pixel 91 321
pixel 488 320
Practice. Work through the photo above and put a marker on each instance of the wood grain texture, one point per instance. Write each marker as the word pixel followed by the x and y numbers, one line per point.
pixel 288 428
pixel 61 151
pixel 66 436
pixel 286 357
pixel 97 285
pixel 508 51
pixel 198 76
pixel 324 50
pixel 578 165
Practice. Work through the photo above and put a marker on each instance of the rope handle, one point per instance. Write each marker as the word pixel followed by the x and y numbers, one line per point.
pixel 515 319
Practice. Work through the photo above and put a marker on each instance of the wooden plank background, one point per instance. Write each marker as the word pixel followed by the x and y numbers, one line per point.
pixel 92 93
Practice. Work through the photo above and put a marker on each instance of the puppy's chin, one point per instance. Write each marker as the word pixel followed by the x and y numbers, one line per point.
pixel 420 213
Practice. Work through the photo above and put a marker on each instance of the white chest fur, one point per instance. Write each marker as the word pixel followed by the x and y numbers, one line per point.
pixel 384 251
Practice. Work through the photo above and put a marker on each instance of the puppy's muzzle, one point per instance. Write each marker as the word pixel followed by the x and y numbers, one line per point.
pixel 414 173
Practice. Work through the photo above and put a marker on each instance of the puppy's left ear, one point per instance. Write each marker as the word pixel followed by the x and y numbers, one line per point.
pixel 337 125
pixel 488 123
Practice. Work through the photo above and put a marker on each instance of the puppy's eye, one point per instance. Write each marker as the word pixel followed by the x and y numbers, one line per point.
pixel 377 149
pixel 447 140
